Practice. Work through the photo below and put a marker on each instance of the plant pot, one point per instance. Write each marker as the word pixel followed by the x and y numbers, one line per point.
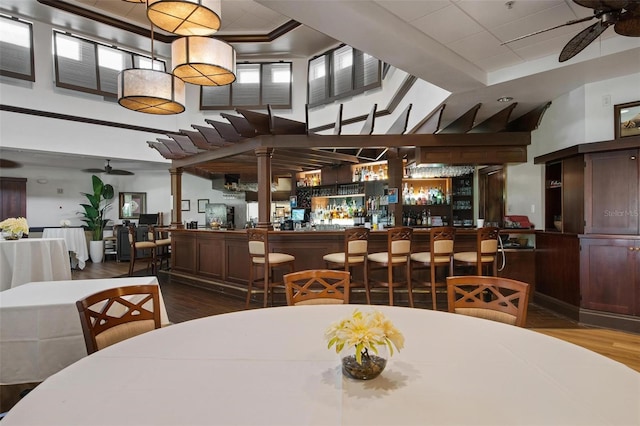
pixel 96 251
pixel 371 367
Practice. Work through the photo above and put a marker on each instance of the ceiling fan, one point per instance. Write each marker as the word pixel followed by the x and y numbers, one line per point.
pixel 109 170
pixel 624 15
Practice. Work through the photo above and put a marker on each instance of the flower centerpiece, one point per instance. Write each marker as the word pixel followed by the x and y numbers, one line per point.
pixel 65 223
pixel 14 228
pixel 363 340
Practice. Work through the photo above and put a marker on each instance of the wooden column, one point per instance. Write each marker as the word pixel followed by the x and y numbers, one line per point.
pixel 264 187
pixel 395 171
pixel 176 192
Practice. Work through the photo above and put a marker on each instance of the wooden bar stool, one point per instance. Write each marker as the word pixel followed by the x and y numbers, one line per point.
pixel 441 240
pixel 162 240
pixel 147 248
pixel 260 257
pixel 356 243
pixel 398 254
pixel 486 253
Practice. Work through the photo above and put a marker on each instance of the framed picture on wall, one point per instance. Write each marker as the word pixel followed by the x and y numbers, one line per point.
pixel 627 119
pixel 132 204
pixel 202 205
pixel 185 206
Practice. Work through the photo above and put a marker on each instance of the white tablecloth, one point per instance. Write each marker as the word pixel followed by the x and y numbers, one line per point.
pixel 33 259
pixel 76 242
pixel 40 331
pixel 272 367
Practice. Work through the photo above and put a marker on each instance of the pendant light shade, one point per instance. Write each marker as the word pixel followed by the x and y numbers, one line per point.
pixel 151 91
pixel 185 17
pixel 204 61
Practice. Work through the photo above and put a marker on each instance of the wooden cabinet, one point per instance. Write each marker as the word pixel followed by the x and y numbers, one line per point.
pixel 610 274
pixel 612 193
pixel 564 195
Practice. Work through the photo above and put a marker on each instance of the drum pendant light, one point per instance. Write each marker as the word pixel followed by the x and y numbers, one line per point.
pixel 203 61
pixel 151 91
pixel 185 17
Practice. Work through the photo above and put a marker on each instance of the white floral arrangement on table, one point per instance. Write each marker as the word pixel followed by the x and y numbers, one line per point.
pixel 15 225
pixel 65 223
pixel 364 331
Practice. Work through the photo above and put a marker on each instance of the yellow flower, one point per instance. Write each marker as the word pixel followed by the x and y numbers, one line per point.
pixel 364 332
pixel 15 225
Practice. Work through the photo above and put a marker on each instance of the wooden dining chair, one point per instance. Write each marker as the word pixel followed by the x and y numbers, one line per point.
pixel 113 315
pixel 494 298
pixel 262 259
pixel 317 287
pixel 440 254
pixel 354 255
pixel 398 255
pixel 141 250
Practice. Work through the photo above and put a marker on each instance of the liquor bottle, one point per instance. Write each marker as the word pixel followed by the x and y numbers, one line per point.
pixel 429 218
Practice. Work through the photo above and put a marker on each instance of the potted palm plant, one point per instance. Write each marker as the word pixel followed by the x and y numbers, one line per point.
pixel 93 215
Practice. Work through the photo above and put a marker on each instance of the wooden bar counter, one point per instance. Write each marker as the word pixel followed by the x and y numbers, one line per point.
pixel 221 258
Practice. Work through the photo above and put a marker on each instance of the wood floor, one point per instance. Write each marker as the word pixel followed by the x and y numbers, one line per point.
pixel 185 302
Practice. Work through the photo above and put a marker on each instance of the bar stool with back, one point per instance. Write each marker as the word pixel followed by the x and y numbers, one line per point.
pixel 148 248
pixel 398 254
pixel 260 257
pixel 441 241
pixel 486 253
pixel 356 242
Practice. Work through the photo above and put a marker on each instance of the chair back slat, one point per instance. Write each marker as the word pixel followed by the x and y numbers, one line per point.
pixel 495 298
pixel 116 314
pixel 317 286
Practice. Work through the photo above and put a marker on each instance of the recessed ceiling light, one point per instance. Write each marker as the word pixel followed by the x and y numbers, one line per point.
pixel 505 99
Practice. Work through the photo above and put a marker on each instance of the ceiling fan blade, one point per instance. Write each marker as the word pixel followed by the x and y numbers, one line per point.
pixel 120 172
pixel 574 21
pixel 628 25
pixel 93 170
pixel 602 4
pixel 582 40
pixel 9 164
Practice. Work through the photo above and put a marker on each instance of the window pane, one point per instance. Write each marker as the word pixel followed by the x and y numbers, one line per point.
pixel 16 52
pixel 317 80
pixel 215 96
pixel 111 62
pixel 76 62
pixel 342 78
pixel 276 84
pixel 246 89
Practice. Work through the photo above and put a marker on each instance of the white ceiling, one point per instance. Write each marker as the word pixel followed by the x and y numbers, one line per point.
pixel 454 44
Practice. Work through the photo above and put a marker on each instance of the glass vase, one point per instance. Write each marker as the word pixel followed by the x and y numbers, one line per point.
pixel 8 235
pixel 371 366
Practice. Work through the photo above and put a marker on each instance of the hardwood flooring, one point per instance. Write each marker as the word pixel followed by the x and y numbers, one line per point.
pixel 185 302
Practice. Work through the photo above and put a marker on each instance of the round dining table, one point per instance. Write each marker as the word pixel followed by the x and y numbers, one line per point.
pixel 272 366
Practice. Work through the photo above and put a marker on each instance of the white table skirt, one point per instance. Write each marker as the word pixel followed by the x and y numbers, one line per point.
pixel 40 331
pixel 76 242
pixel 272 367
pixel 33 259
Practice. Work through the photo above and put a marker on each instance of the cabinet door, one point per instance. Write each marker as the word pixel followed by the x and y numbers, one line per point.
pixel 13 197
pixel 609 275
pixel 611 205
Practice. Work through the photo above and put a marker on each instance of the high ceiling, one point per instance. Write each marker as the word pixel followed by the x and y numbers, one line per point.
pixel 455 44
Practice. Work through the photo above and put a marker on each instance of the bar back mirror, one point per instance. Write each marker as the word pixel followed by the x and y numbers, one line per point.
pixel 627 119
pixel 132 204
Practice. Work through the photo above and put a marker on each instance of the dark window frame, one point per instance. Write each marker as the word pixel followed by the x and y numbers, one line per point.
pixel 32 74
pixel 96 44
pixel 329 75
pixel 261 104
